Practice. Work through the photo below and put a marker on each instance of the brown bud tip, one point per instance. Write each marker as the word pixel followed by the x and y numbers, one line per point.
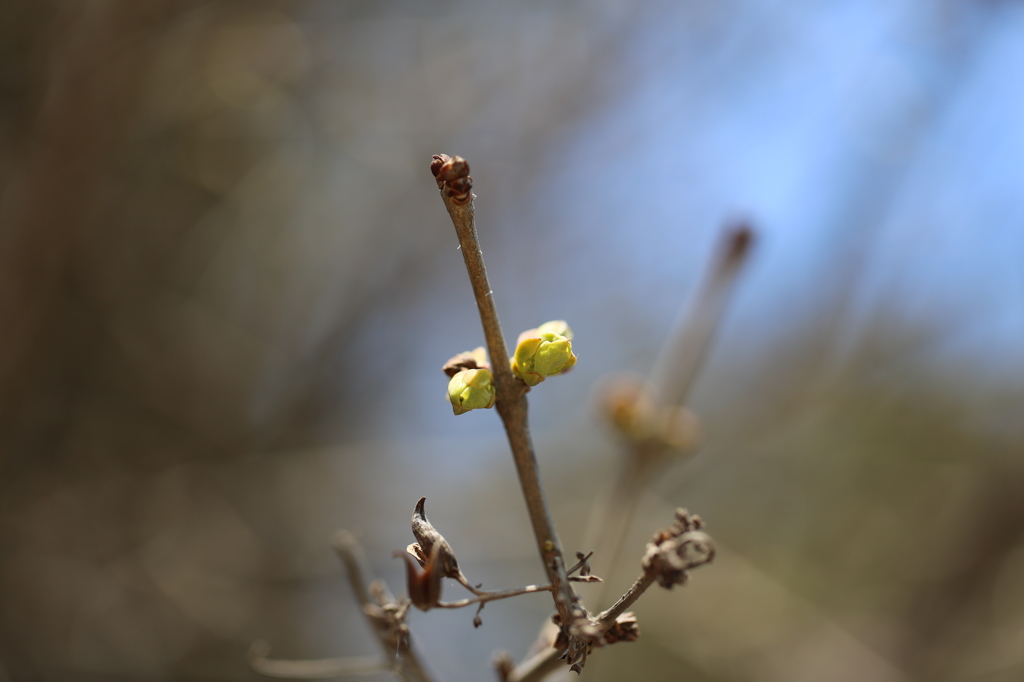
pixel 460 187
pixel 739 241
pixel 504 664
pixel 453 169
pixel 452 174
pixel 438 161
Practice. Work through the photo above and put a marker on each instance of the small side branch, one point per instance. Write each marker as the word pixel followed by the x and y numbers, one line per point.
pixel 320 669
pixel 669 557
pixel 607 618
pixel 484 597
pixel 537 667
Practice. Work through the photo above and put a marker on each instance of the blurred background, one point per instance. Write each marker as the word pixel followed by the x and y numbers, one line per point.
pixel 227 287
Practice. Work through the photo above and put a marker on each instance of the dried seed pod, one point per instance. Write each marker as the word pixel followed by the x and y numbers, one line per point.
pixel 429 541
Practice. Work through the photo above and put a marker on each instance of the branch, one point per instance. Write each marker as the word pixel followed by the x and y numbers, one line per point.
pixel 537 667
pixel 668 386
pixel 320 669
pixel 385 617
pixel 456 185
pixel 607 618
pixel 484 597
pixel 681 358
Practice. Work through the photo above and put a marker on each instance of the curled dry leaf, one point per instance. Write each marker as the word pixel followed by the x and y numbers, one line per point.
pixel 677 549
pixel 472 359
pixel 624 630
pixel 575 641
pixel 424 586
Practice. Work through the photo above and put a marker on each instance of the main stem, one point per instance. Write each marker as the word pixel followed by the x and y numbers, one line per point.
pixel 513 410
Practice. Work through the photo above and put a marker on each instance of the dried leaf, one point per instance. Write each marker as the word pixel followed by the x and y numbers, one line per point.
pixel 424 586
pixel 677 549
pixel 429 540
pixel 474 359
pixel 623 630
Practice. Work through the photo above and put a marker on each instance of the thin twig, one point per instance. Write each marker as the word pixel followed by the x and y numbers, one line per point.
pixel 351 554
pixel 607 618
pixel 319 669
pixel 484 597
pixel 583 559
pixel 537 667
pixel 510 395
pixel 408 664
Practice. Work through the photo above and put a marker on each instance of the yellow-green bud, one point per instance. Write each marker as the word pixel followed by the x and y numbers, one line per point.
pixel 471 389
pixel 560 327
pixel 543 352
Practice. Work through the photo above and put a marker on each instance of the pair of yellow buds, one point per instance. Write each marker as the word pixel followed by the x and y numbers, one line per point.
pixel 541 352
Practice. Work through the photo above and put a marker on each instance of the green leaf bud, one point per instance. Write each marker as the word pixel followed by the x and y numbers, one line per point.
pixel 471 389
pixel 543 352
pixel 560 327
